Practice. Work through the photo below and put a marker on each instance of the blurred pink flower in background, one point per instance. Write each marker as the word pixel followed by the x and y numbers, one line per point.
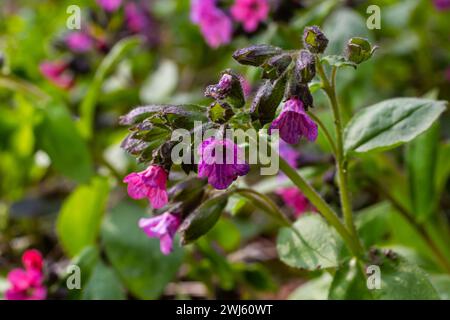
pixel 109 5
pixel 246 86
pixel 56 72
pixel 250 13
pixel 27 284
pixel 215 26
pixel 295 199
pixel 442 4
pixel 447 74
pixel 79 41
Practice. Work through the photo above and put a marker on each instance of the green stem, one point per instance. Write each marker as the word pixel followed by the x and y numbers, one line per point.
pixel 266 204
pixel 320 204
pixel 330 90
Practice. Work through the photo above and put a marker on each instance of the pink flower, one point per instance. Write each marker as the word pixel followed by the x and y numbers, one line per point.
pixel 221 161
pixel 56 73
pixel 150 183
pixel 136 18
pixel 26 284
pixel 295 200
pixel 293 122
pixel 163 227
pixel 246 86
pixel 442 5
pixel 109 5
pixel 250 13
pixel 447 74
pixel 79 42
pixel 215 25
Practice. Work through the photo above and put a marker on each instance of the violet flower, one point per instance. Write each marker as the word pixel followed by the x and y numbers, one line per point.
pixel 221 161
pixel 293 122
pixel 250 13
pixel 296 200
pixel 150 183
pixel 215 26
pixel 163 227
pixel 79 42
pixel 109 5
pixel 442 5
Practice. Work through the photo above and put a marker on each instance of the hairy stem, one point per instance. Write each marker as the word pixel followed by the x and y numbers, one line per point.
pixel 341 165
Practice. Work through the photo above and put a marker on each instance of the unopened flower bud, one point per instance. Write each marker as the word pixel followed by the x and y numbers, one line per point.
pixel 359 50
pixel 228 90
pixel 314 40
pixel 301 91
pixel 256 55
pixel 276 65
pixel 305 67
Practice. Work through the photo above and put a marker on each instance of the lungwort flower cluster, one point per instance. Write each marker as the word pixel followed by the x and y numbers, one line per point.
pixel 27 283
pixel 187 207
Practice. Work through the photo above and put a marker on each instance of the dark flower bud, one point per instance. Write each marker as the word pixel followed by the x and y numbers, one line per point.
pixel 256 55
pixel 359 50
pixel 305 67
pixel 267 99
pixel 275 66
pixel 301 91
pixel 229 90
pixel 314 40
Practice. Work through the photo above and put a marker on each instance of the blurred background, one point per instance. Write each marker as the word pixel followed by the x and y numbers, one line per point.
pixel 61 165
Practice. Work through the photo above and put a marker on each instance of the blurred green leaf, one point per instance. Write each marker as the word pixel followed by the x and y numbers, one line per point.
pixel 390 123
pixel 315 289
pixel 160 85
pixel 137 259
pixel 442 167
pixel 103 284
pixel 372 223
pixel 441 282
pixel 58 136
pixel 421 155
pixel 87 107
pixel 80 218
pixel 311 244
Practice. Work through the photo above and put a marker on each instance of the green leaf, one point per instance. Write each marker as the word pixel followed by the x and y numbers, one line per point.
pixel 390 123
pixel 103 284
pixel 442 167
pixel 137 259
pixel 202 219
pixel 311 244
pixel 402 280
pixel 192 111
pixel 315 289
pixel 441 282
pixel 421 155
pixel 80 218
pixel 87 107
pixel 372 223
pixel 338 61
pixel 67 150
pixel 349 283
pixel 160 85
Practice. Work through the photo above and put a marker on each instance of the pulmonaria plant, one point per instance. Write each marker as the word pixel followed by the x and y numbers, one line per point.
pixel 283 102
pixel 27 283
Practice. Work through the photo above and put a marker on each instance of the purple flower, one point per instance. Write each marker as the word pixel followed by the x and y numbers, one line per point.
pixel 109 5
pixel 79 41
pixel 215 25
pixel 289 154
pixel 295 200
pixel 163 227
pixel 250 13
pixel 293 122
pixel 150 183
pixel 55 71
pixel 221 161
pixel 442 4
